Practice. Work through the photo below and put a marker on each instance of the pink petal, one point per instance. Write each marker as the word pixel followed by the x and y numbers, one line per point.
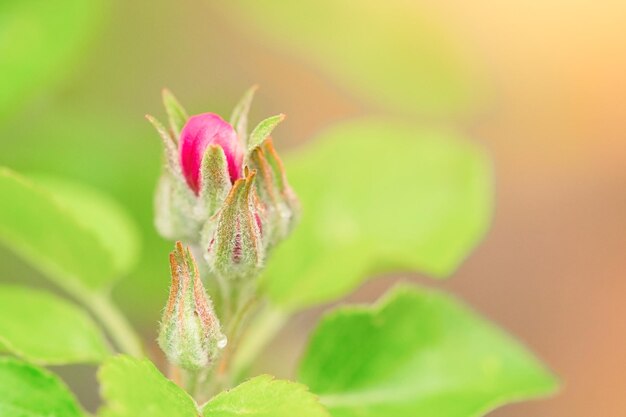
pixel 201 131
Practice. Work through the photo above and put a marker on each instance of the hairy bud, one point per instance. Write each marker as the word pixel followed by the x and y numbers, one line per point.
pixel 233 237
pixel 190 333
pixel 281 206
pixel 223 189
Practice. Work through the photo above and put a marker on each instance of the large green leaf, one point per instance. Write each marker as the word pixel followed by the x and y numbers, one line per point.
pixel 264 396
pixel 101 215
pixel 29 391
pixel 45 329
pixel 135 387
pixel 63 151
pixel 378 196
pixel 417 353
pixel 39 42
pixel 46 234
pixel 396 53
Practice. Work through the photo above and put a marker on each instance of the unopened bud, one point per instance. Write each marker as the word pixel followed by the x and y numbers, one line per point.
pixel 204 157
pixel 280 203
pixel 200 132
pixel 233 237
pixel 190 333
pixel 176 213
pixel 208 195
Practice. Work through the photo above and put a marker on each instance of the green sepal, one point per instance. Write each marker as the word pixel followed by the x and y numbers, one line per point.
pixel 176 210
pixel 287 195
pixel 215 179
pixel 239 117
pixel 169 145
pixel 281 204
pixel 176 214
pixel 263 130
pixel 175 112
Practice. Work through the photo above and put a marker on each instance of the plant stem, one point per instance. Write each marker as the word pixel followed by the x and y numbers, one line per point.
pixel 115 323
pixel 235 325
pixel 225 290
pixel 191 383
pixel 261 331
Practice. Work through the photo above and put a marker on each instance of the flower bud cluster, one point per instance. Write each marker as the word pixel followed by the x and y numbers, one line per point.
pixel 222 189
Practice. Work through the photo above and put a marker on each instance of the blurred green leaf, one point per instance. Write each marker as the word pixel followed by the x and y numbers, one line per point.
pixel 417 353
pixel 134 387
pixel 122 159
pixel 101 215
pixel 264 396
pixel 29 391
pixel 395 53
pixel 47 330
pixel 34 226
pixel 39 43
pixel 376 197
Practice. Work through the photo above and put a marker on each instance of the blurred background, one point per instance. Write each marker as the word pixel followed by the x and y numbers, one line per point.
pixel 540 84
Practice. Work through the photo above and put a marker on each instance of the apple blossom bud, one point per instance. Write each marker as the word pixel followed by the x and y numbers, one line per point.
pixel 282 207
pixel 203 158
pixel 190 333
pixel 175 204
pixel 208 195
pixel 233 237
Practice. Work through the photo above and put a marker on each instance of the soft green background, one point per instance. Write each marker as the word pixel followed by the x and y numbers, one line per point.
pixel 83 120
pixel 400 187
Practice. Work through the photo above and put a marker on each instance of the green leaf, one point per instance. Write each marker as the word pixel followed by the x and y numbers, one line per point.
pixel 264 396
pixel 47 235
pixel 377 197
pixel 47 330
pixel 29 391
pixel 263 130
pixel 397 54
pixel 101 215
pixel 39 43
pixel 135 387
pixel 417 353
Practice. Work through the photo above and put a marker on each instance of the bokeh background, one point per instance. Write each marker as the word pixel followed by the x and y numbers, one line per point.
pixel 540 84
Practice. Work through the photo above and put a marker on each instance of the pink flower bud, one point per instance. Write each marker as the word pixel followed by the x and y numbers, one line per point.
pixel 201 131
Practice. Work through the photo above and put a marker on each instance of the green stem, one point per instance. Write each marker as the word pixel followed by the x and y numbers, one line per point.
pixel 115 323
pixel 261 331
pixel 191 383
pixel 235 325
pixel 225 290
